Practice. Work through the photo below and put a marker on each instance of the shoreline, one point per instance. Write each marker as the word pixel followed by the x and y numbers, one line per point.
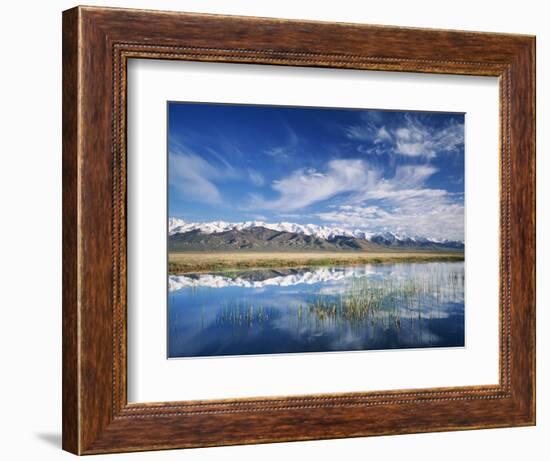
pixel 197 262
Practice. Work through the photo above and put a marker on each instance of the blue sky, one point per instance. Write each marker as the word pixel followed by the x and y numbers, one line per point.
pixel 397 171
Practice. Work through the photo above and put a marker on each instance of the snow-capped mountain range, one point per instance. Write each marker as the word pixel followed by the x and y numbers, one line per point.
pixel 179 226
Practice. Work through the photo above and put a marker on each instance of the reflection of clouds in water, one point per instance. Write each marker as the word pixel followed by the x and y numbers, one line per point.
pixel 406 338
pixel 250 279
pixel 380 333
pixel 214 320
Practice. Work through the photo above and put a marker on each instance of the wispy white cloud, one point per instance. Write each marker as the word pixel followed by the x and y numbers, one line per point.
pixel 436 219
pixel 373 202
pixel 368 131
pixel 256 177
pixel 194 176
pixel 306 187
pixel 382 135
pixel 403 204
pixel 407 182
pixel 354 177
pixel 284 151
pixel 221 159
pixel 413 138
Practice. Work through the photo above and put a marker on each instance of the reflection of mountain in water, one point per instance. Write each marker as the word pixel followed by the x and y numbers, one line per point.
pixel 265 277
pixel 428 274
pixel 372 306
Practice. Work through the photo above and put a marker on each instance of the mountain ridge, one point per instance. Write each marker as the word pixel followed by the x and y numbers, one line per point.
pixel 258 235
pixel 176 225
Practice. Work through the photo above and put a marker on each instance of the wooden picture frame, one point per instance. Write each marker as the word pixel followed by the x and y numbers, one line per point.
pixel 97 43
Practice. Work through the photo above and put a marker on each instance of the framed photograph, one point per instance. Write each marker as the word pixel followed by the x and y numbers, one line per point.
pixel 374 256
pixel 280 230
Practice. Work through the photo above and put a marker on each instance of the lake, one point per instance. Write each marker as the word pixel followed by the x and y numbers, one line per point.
pixel 325 309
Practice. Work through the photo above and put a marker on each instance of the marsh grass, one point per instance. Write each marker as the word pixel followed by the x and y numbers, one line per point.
pixel 386 302
pixel 390 301
pixel 244 313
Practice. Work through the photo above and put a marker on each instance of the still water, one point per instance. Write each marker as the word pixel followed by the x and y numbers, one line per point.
pixel 270 311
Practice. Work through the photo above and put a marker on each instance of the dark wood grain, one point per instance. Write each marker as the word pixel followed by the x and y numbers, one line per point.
pixel 70 384
pixel 97 43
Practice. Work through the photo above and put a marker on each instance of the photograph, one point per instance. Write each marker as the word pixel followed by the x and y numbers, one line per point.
pixel 275 230
pixel 313 229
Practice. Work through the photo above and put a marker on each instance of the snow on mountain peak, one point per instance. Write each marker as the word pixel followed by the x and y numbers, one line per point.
pixel 179 226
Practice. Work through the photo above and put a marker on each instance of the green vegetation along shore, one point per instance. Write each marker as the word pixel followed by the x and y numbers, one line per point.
pixel 181 263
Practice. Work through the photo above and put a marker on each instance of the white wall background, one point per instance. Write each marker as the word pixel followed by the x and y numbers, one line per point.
pixel 30 230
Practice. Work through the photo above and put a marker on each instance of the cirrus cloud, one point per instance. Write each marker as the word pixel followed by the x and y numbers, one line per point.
pixel 439 219
pixel 411 138
pixel 354 177
pixel 305 187
pixel 371 201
